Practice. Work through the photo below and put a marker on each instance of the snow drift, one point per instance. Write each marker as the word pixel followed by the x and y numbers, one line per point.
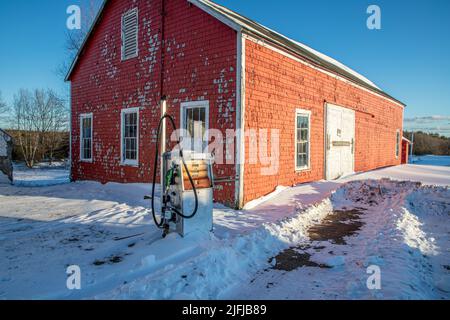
pixel 393 237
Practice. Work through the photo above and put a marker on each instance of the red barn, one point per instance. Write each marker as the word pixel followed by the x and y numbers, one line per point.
pixel 285 113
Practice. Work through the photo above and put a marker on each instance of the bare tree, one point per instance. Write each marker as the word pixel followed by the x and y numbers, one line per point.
pixel 75 38
pixel 3 109
pixel 38 116
pixel 24 121
pixel 58 121
pixel 2 104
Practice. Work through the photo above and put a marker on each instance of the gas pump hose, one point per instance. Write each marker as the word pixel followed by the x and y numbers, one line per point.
pixel 158 142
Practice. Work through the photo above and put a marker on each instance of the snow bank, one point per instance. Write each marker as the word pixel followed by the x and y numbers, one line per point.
pixel 224 264
pixel 43 230
pixel 400 235
pixel 254 203
pixel 426 229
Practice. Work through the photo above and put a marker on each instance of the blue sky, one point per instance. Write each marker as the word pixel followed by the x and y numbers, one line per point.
pixel 409 57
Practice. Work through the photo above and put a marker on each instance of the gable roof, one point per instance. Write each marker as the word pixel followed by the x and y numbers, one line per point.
pixel 88 36
pixel 241 23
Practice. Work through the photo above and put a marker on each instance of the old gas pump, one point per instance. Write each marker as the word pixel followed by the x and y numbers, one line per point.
pixel 181 198
pixel 186 187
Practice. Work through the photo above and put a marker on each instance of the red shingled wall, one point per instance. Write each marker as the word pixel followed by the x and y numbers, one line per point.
pixel 200 62
pixel 277 85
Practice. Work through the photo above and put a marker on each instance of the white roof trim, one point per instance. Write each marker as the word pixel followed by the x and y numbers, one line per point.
pixel 229 18
pixel 228 15
pixel 320 69
pixel 338 64
pixel 210 10
pixel 88 35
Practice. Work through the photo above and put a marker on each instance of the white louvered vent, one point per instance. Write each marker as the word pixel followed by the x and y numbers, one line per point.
pixel 130 34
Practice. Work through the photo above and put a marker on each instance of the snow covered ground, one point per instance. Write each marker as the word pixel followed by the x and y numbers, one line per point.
pixel 404 232
pixel 107 230
pixel 4 178
pixel 42 175
pixel 431 160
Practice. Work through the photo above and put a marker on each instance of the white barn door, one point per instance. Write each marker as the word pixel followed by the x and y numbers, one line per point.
pixel 340 141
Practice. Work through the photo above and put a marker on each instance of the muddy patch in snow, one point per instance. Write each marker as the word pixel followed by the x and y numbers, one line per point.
pixel 293 258
pixel 336 226
pixel 401 227
pixel 114 259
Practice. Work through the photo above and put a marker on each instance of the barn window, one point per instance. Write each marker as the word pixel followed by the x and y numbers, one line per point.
pixel 130 34
pixel 86 137
pixel 302 139
pixel 397 143
pixel 130 136
pixel 195 122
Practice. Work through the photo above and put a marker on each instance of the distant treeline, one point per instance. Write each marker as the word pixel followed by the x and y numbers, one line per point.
pixel 429 143
pixel 38 121
pixel 51 146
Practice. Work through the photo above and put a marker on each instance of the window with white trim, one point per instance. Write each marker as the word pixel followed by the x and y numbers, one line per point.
pixel 397 143
pixel 130 136
pixel 195 122
pixel 130 34
pixel 86 137
pixel 302 139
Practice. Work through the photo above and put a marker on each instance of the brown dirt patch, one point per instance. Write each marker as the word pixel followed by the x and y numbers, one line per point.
pixel 293 258
pixel 336 226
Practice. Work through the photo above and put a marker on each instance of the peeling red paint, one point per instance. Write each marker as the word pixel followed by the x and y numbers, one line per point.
pixel 200 64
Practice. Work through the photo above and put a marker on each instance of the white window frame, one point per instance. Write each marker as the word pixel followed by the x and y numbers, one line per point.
pixel 122 39
pixel 82 117
pixel 307 113
pixel 123 161
pixel 184 106
pixel 398 143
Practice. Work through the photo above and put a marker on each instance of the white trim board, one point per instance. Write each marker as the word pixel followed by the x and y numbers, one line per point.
pixel 295 58
pixel 398 144
pixel 131 163
pixel 308 113
pixel 194 104
pixel 216 15
pixel 82 117
pixel 240 121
